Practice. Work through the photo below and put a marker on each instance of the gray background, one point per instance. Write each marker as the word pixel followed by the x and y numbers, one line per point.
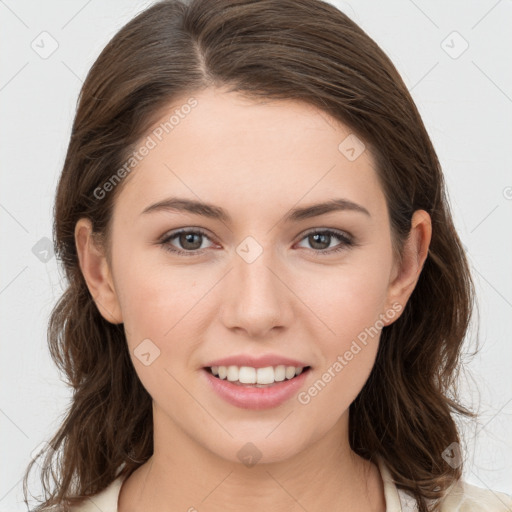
pixel 465 98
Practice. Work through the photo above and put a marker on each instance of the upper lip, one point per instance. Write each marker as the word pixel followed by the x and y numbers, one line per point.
pixel 256 362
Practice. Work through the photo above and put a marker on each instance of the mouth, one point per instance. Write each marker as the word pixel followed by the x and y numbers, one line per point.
pixel 247 376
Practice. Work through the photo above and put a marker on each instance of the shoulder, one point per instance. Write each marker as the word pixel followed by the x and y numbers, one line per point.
pixel 106 500
pixel 460 497
pixel 464 497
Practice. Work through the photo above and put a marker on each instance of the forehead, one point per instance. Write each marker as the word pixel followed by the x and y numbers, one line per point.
pixel 248 155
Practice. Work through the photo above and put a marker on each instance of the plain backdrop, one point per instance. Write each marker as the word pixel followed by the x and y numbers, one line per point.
pixel 454 57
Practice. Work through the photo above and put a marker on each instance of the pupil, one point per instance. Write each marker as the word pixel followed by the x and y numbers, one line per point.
pixel 188 238
pixel 318 236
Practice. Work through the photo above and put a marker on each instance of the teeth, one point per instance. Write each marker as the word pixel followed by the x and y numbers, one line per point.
pixel 249 375
pixel 263 375
pixel 279 373
pixel 232 373
pixel 290 372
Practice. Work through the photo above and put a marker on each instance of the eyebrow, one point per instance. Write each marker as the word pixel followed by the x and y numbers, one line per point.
pixel 215 212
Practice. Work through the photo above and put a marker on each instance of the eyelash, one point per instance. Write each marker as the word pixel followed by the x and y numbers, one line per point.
pixel 346 241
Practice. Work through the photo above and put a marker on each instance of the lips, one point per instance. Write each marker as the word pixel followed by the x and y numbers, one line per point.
pixel 246 396
pixel 267 381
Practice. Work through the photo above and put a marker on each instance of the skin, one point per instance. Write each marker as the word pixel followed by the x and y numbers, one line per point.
pixel 290 301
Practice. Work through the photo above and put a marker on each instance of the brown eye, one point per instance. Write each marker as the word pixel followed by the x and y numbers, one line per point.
pixel 320 241
pixel 190 240
pixel 187 242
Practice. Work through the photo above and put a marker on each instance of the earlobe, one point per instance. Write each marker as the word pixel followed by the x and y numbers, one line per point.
pixel 96 272
pixel 415 253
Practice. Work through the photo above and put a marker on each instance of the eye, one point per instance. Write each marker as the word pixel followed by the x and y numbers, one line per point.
pixel 321 240
pixel 190 240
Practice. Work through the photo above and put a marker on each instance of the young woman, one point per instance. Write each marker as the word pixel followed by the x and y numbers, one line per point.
pixel 267 296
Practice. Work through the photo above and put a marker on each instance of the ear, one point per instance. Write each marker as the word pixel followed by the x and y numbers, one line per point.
pixel 96 272
pixel 406 273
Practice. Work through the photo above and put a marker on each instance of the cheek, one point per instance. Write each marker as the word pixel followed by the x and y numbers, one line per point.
pixel 350 306
pixel 160 313
pixel 159 309
pixel 349 299
pixel 157 299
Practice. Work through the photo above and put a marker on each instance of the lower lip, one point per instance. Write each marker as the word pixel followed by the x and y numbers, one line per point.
pixel 248 397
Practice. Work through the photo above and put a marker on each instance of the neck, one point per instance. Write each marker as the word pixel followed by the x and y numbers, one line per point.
pixel 183 475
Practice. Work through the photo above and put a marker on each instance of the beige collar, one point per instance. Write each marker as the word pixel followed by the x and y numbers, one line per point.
pixel 391 494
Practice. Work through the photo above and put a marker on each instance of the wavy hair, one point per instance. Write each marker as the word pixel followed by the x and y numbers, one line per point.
pixel 304 50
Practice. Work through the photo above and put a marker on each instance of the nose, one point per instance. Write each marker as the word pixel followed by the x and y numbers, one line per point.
pixel 257 297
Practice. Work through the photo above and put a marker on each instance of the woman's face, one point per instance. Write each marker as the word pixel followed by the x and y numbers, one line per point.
pixel 252 279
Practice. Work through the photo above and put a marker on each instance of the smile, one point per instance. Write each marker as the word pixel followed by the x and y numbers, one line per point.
pixel 256 376
pixel 265 390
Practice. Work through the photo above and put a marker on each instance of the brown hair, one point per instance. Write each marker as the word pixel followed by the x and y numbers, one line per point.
pixel 305 50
